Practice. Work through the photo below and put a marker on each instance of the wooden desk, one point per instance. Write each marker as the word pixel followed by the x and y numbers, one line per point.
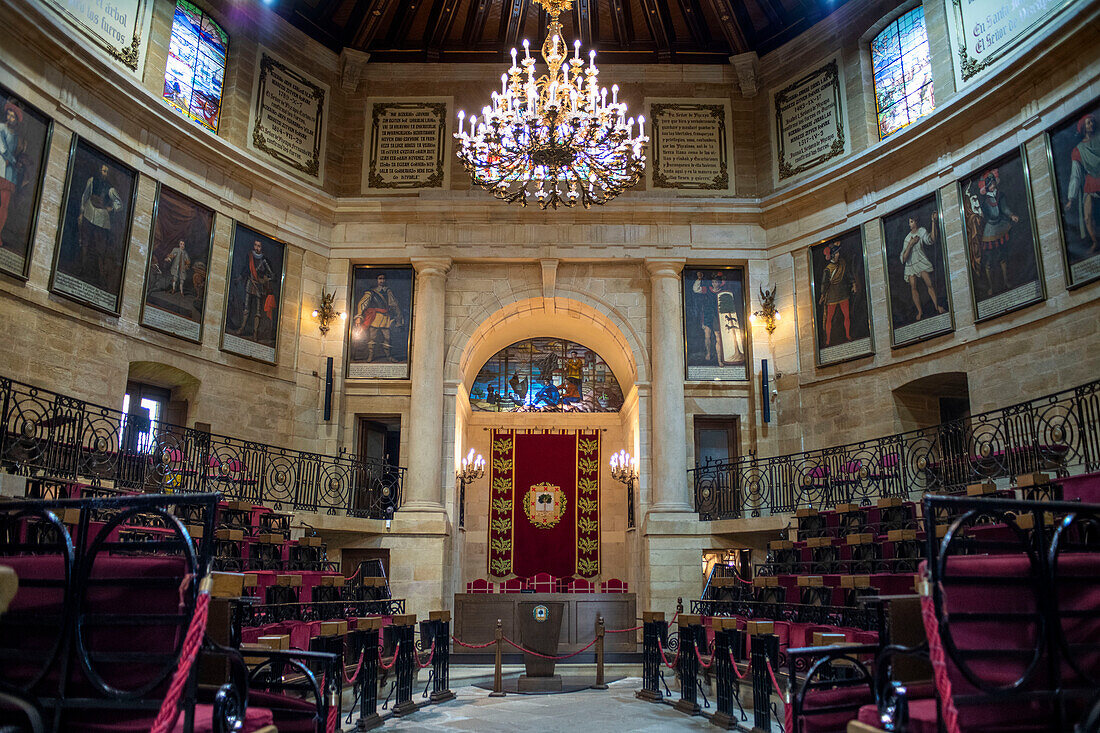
pixel 476 617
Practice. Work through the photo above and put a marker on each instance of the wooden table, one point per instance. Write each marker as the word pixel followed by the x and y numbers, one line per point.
pixel 476 617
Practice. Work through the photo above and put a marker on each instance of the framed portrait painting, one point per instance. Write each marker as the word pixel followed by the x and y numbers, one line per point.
pixel 381 322
pixel 24 141
pixel 92 241
pixel 1001 244
pixel 918 293
pixel 253 295
pixel 838 284
pixel 179 259
pixel 714 323
pixel 1073 148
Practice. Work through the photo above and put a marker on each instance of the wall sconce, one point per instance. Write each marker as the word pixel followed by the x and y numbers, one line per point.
pixel 624 469
pixel 326 314
pixel 473 468
pixel 768 313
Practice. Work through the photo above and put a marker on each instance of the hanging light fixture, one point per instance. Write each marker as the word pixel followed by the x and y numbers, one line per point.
pixel 556 138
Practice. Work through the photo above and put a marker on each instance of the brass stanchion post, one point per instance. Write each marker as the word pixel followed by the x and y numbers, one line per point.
pixel 498 680
pixel 600 684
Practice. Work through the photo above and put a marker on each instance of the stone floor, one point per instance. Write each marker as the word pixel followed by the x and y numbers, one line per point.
pixel 587 711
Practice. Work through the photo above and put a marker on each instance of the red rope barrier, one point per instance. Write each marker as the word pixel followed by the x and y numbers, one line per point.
pixel 620 631
pixel 733 663
pixel 333 711
pixel 544 656
pixel 661 649
pixel 166 717
pixel 771 673
pixel 396 651
pixel 431 653
pixel 458 641
pixel 939 662
pixel 358 667
pixel 788 709
pixel 354 575
pixel 702 662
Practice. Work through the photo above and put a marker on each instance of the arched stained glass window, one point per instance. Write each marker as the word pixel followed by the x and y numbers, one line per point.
pixel 546 375
pixel 903 73
pixel 196 65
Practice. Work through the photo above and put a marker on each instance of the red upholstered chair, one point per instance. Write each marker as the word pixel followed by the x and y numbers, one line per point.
pixel 480 586
pixel 579 585
pixel 542 583
pixel 613 586
pixel 512 585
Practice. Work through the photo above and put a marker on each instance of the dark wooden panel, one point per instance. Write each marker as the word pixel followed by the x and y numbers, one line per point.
pixel 476 616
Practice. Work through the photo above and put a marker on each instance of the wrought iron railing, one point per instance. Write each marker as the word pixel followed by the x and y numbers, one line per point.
pixel 43 433
pixel 1059 432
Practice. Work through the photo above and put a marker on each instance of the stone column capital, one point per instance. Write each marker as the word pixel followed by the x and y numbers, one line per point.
pixel 431 266
pixel 659 268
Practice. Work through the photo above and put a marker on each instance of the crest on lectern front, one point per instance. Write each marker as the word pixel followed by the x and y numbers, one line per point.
pixel 544 505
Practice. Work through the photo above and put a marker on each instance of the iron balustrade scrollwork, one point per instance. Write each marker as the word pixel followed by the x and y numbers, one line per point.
pixel 1057 432
pixel 47 434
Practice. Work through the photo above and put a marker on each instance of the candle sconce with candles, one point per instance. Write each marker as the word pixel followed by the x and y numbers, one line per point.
pixel 473 468
pixel 624 469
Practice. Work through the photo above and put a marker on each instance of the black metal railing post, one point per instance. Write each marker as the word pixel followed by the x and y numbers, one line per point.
pixel 370 630
pixel 765 650
pixel 441 662
pixel 654 635
pixel 727 688
pixel 404 635
pixel 690 629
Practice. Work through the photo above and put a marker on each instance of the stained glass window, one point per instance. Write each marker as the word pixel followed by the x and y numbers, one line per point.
pixel 196 65
pixel 903 73
pixel 546 375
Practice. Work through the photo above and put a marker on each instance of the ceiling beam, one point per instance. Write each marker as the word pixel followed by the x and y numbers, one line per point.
pixel 511 23
pixel 399 28
pixel 476 17
pixel 586 19
pixel 620 16
pixel 365 22
pixel 735 28
pixel 696 23
pixel 660 27
pixel 439 26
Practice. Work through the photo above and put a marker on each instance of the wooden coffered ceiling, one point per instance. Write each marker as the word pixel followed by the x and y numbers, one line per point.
pixel 622 31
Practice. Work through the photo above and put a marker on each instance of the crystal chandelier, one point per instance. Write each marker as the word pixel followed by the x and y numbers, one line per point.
pixel 555 137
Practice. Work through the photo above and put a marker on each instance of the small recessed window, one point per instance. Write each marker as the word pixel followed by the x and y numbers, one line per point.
pixel 903 73
pixel 196 65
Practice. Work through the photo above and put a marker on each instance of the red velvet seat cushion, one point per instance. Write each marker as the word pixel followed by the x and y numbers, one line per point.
pixel 292 715
pixel 836 721
pixel 125 721
pixel 922 716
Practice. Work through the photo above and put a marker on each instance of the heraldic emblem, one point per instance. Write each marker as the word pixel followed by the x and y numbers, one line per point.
pixel 544 505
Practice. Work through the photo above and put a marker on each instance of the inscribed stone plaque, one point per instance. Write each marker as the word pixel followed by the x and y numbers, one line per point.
pixel 407 144
pixel 120 28
pixel 810 126
pixel 982 32
pixel 288 117
pixel 689 145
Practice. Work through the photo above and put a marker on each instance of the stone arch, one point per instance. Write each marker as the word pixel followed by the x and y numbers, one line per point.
pixel 576 316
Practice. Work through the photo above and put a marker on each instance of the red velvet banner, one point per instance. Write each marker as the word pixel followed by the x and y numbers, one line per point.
pixel 544 504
